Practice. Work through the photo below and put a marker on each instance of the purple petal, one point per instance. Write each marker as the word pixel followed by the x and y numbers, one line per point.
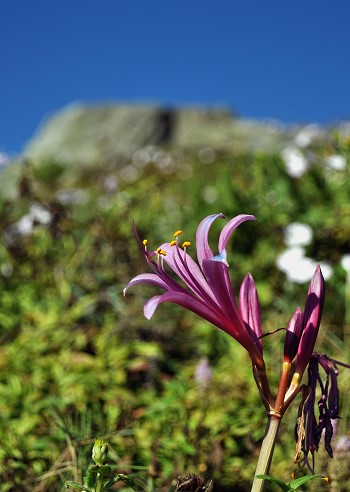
pixel 230 227
pixel 188 302
pixel 187 269
pixel 294 330
pixel 218 279
pixel 249 305
pixel 311 320
pixel 146 278
pixel 204 251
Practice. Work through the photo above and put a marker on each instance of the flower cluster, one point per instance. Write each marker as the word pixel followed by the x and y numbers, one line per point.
pixel 206 290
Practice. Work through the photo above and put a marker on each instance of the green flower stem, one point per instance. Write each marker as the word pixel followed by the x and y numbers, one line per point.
pixel 266 452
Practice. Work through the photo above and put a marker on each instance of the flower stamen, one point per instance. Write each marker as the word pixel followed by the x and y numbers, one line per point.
pixel 160 251
pixel 160 257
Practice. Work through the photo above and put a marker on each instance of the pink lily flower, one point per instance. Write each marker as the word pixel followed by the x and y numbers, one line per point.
pixel 206 287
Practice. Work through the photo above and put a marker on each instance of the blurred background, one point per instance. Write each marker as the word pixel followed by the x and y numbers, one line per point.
pixel 163 113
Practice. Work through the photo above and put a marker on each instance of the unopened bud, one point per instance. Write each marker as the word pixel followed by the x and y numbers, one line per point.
pixel 100 451
pixel 294 331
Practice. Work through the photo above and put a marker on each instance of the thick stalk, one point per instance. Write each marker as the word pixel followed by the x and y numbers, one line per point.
pixel 266 452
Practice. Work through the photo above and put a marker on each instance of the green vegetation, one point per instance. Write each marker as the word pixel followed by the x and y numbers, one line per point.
pixel 80 362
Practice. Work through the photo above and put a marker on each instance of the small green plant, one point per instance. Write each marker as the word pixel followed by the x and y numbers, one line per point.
pixel 100 476
pixel 293 484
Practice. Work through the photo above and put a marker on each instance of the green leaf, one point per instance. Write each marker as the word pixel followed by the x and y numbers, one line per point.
pixel 295 484
pixel 128 480
pixel 90 479
pixel 284 486
pixel 75 486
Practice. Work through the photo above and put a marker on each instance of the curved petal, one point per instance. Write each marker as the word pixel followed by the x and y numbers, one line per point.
pixel 204 251
pixel 230 227
pixel 146 278
pixel 216 273
pixel 187 269
pixel 218 279
pixel 249 305
pixel 188 302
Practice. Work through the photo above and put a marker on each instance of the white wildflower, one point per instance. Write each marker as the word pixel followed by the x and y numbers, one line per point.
pixel 335 162
pixel 299 268
pixel 295 162
pixel 307 135
pixel 297 234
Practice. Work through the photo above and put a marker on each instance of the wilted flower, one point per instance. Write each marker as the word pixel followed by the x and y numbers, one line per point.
pixel 310 429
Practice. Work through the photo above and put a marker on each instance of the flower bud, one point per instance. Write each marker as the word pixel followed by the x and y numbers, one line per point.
pixel 100 451
pixel 294 330
pixel 311 321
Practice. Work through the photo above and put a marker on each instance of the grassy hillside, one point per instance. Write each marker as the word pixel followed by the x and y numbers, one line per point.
pixel 79 361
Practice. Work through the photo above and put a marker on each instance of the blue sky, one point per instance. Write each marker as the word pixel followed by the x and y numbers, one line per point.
pixel 280 59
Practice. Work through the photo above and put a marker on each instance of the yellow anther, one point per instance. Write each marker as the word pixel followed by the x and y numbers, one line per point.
pixel 160 251
pixel 177 233
pixel 173 243
pixel 145 242
pixel 327 479
pixel 286 366
pixel 185 244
